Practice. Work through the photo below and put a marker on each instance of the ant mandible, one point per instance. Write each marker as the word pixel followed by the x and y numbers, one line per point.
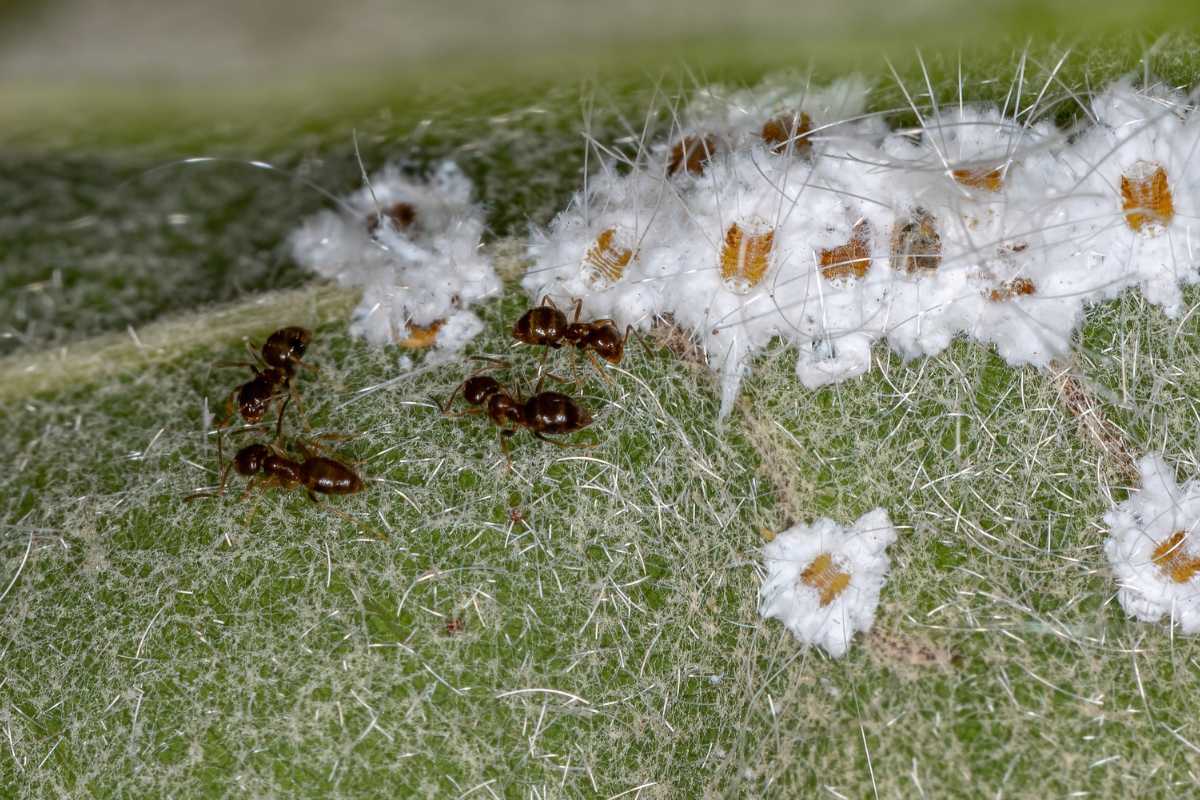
pixel 547 326
pixel 544 414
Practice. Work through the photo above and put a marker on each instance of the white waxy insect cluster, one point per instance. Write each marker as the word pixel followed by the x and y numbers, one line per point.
pixel 414 247
pixel 783 213
pixel 1154 548
pixel 823 580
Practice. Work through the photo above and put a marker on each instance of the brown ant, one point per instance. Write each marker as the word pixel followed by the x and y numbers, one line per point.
pixel 547 326
pixel 543 414
pixel 280 354
pixel 268 465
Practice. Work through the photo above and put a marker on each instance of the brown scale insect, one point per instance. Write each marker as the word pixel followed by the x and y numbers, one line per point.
pixel 546 326
pixel 1146 198
pixel 745 257
pixel 916 244
pixel 401 216
pixel 544 414
pixel 788 133
pixel 850 260
pixel 691 154
pixel 268 466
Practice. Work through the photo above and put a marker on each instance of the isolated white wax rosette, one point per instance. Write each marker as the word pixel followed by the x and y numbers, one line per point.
pixel 823 580
pixel 414 246
pixel 1154 548
pixel 790 213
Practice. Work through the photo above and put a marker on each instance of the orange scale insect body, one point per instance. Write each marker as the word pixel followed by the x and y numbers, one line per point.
pixel 745 257
pixel 1174 562
pixel 1017 287
pixel 825 576
pixel 1146 198
pixel 990 180
pixel 605 261
pixel 850 260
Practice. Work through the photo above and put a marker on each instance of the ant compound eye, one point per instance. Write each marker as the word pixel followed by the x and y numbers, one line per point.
pixel 787 133
pixel 850 260
pixel 606 260
pixel 746 256
pixel 1146 198
pixel 916 244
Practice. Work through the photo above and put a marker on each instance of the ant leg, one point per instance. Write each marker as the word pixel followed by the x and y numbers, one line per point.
pixel 220 487
pixel 254 350
pixel 279 425
pixel 578 309
pixel 379 535
pixel 567 445
pixel 249 364
pixel 293 395
pixel 600 368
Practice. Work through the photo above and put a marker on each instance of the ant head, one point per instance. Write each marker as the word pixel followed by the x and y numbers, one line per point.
pixel 286 346
pixel 250 458
pixel 478 388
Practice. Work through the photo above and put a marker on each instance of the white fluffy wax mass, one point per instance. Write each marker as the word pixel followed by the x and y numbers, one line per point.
pixel 784 212
pixel 1131 184
pixel 414 247
pixel 1154 548
pixel 823 580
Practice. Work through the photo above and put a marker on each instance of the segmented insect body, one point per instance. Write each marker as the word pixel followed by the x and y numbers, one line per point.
pixel 991 180
pixel 916 244
pixel 1017 287
pixel 691 154
pixel 542 325
pixel 850 260
pixel 317 474
pixel 606 260
pixel 1146 198
pixel 554 413
pixel 545 413
pixel 1173 561
pixel 788 132
pixel 745 257
pixel 600 337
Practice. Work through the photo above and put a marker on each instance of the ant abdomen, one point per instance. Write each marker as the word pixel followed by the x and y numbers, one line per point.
pixel 327 476
pixel 552 413
pixel 541 325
